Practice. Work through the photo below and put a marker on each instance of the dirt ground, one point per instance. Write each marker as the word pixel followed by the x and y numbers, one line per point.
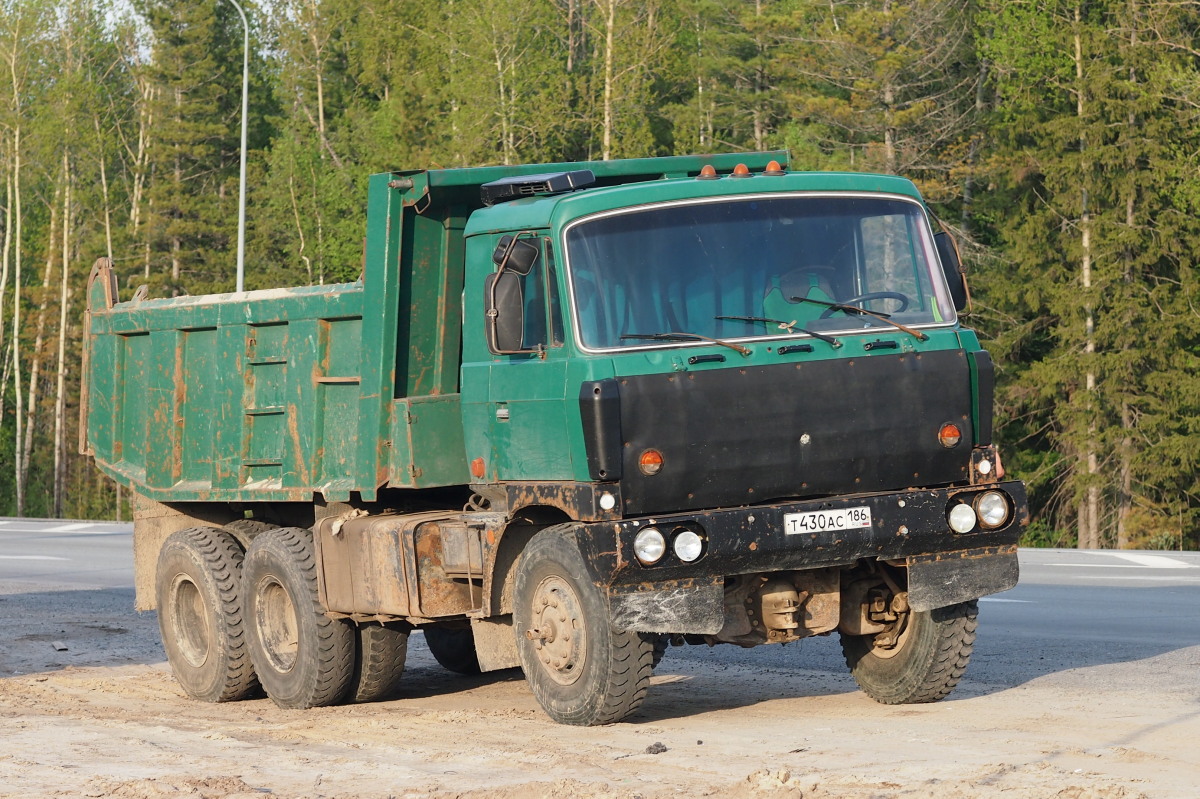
pixel 88 708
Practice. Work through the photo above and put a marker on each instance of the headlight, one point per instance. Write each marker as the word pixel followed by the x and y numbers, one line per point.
pixel 688 546
pixel 649 545
pixel 992 508
pixel 962 518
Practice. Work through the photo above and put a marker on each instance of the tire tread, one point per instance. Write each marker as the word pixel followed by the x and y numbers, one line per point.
pixel 379 666
pixel 220 556
pixel 932 675
pixel 626 663
pixel 291 548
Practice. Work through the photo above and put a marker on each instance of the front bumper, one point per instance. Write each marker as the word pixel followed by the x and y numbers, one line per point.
pixel 908 528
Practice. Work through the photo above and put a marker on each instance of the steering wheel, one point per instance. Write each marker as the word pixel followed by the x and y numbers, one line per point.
pixel 871 295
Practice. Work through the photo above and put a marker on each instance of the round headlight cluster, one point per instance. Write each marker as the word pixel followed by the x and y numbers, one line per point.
pixel 992 509
pixel 688 546
pixel 962 518
pixel 988 510
pixel 649 545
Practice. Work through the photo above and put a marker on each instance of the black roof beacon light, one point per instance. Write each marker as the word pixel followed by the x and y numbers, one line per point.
pixel 518 186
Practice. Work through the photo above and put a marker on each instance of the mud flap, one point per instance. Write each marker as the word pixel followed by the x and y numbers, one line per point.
pixel 683 606
pixel 495 644
pixel 935 581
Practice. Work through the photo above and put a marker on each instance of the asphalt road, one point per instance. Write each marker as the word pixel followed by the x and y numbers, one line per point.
pixel 1072 609
pixel 80 555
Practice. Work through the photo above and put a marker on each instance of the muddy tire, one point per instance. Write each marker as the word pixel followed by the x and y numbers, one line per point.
pixel 581 670
pixel 198 589
pixel 454 649
pixel 928 661
pixel 379 662
pixel 303 658
pixel 245 530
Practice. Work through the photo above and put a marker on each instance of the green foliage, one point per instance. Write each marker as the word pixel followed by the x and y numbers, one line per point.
pixel 1027 125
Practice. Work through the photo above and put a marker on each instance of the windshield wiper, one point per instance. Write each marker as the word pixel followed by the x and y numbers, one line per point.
pixel 790 327
pixel 882 317
pixel 686 337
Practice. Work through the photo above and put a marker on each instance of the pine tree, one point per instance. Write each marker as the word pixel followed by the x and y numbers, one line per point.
pixel 1101 366
pixel 888 85
pixel 195 79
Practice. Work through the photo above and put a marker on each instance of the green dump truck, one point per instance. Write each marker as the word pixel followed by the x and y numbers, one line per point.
pixel 570 414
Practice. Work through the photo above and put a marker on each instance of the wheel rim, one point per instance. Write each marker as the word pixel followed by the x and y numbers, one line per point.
pixel 559 641
pixel 277 625
pixel 884 653
pixel 193 630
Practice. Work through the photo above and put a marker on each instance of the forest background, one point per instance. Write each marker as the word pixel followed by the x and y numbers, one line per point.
pixel 1059 140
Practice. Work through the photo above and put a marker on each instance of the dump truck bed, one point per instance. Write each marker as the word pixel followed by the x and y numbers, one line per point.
pixel 282 394
pixel 257 396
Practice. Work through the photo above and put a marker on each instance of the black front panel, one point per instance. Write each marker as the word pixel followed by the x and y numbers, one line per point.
pixel 738 436
pixel 600 410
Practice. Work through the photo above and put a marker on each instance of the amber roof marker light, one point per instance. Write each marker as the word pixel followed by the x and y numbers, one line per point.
pixel 707 172
pixel 774 169
pixel 741 171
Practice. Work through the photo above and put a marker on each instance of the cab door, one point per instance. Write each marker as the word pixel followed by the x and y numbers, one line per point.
pixel 517 422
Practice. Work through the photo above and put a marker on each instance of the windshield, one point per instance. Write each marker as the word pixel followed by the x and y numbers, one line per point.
pixel 769 265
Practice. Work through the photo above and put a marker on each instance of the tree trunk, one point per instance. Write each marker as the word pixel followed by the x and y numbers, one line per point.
pixel 1089 533
pixel 5 252
pixel 610 24
pixel 35 359
pixel 1125 490
pixel 760 84
pixel 19 442
pixel 60 399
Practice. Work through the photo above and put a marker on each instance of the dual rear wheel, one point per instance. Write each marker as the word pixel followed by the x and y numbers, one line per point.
pixel 231 621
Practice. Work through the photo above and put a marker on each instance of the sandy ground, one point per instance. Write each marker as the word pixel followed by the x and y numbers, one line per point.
pixel 103 717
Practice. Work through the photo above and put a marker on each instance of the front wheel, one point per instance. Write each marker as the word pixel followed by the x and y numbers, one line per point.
pixel 303 657
pixel 581 670
pixel 926 662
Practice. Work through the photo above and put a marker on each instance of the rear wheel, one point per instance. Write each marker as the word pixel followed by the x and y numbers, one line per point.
pixel 303 657
pixel 379 664
pixel 244 530
pixel 453 648
pixel 927 660
pixel 582 671
pixel 198 589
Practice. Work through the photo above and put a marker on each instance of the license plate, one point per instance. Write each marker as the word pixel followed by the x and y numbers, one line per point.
pixel 820 521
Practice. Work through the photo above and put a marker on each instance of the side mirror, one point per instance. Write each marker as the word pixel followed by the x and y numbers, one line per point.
pixel 518 255
pixel 952 268
pixel 504 307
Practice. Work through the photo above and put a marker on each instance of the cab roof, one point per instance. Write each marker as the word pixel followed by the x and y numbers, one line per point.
pixel 536 213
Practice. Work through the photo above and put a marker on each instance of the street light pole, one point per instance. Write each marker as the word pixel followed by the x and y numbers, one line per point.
pixel 241 254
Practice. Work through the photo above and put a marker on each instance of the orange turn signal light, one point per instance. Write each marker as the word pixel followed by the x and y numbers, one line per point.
pixel 949 435
pixel 650 462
